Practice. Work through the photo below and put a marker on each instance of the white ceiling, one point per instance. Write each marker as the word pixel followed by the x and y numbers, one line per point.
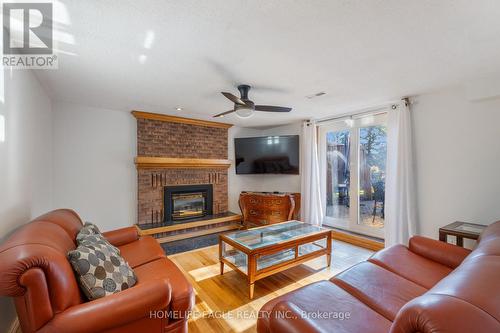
pixel 359 52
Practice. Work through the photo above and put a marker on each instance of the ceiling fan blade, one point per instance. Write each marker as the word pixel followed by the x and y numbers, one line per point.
pixel 223 113
pixel 270 108
pixel 233 98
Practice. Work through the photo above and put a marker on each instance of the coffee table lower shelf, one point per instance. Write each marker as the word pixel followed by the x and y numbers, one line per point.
pixel 256 264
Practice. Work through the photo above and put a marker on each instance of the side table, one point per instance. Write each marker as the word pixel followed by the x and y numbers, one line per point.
pixel 461 230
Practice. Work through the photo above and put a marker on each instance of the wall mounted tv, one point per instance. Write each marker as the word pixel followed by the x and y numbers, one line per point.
pixel 267 154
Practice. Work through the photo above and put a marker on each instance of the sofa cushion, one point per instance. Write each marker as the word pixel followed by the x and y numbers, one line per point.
pixel 182 298
pixel 327 299
pixel 401 261
pixel 141 251
pixel 441 252
pixel 100 272
pixel 381 290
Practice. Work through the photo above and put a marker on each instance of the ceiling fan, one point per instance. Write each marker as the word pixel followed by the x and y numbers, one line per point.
pixel 244 107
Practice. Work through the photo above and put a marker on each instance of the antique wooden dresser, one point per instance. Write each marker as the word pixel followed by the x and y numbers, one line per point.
pixel 263 208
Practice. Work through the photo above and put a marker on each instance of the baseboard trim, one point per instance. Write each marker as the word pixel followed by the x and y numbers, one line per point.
pixel 360 241
pixel 15 327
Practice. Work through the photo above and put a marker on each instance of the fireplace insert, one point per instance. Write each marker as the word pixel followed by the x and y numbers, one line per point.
pixel 184 202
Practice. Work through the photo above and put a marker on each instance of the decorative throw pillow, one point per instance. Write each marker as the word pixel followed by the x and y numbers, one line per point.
pixel 87 230
pixel 100 272
pixel 100 240
pixel 90 234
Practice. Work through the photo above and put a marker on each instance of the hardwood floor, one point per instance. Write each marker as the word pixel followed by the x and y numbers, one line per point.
pixel 222 303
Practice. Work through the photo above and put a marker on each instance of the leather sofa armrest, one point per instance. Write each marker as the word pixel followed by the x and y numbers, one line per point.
pixel 287 317
pixel 447 254
pixel 115 310
pixel 431 313
pixel 122 236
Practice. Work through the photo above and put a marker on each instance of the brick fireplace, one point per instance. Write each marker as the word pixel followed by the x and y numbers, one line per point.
pixel 174 151
pixel 182 194
pixel 152 183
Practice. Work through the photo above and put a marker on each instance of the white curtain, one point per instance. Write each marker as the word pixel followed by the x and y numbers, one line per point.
pixel 311 205
pixel 400 195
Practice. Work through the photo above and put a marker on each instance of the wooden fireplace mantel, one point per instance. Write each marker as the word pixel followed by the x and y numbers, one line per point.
pixel 180 120
pixel 145 162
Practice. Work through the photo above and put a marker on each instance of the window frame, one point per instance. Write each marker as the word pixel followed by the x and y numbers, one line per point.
pixel 353 125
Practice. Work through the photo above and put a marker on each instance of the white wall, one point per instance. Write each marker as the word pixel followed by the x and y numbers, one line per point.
pixel 457 159
pixel 267 183
pixel 94 171
pixel 25 159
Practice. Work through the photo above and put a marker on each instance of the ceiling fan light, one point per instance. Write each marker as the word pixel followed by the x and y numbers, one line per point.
pixel 244 113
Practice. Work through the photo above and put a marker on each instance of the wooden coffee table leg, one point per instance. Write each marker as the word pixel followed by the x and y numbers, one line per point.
pixel 460 241
pixel 221 267
pixel 250 290
pixel 251 271
pixel 329 249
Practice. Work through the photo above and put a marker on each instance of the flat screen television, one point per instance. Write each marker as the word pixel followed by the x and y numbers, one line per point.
pixel 267 154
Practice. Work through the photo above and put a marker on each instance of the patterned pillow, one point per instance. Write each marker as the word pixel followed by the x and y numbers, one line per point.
pixel 100 272
pixel 87 230
pixel 98 239
pixel 90 234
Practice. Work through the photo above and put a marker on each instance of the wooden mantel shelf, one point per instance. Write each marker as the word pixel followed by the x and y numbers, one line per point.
pixel 181 120
pixel 144 162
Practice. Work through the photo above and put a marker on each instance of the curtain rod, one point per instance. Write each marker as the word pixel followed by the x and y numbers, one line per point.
pixel 370 111
pixel 357 114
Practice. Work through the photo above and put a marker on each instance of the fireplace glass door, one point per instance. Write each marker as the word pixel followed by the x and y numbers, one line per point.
pixel 188 205
pixel 182 203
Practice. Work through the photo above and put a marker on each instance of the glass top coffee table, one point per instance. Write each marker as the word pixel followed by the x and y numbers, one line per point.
pixel 259 252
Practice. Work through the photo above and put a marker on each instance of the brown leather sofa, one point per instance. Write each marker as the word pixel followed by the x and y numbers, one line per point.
pixel 34 271
pixel 429 286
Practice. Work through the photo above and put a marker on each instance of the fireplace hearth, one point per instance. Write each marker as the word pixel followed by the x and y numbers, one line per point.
pixel 186 202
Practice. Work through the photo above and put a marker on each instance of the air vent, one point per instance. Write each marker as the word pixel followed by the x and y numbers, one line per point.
pixel 316 95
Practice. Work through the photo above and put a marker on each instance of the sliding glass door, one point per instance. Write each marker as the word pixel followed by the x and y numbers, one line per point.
pixel 353 163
